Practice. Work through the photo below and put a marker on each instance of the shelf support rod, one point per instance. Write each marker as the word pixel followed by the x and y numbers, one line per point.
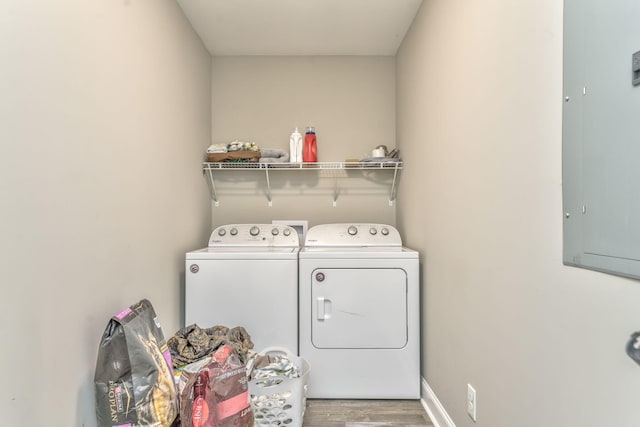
pixel 214 196
pixel 392 195
pixel 266 174
pixel 335 191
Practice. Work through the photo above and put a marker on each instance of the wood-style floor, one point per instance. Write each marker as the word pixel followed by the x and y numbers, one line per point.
pixel 365 413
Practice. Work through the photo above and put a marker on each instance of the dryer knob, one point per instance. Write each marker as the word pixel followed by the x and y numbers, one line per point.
pixel 373 231
pixel 233 231
pixel 222 232
pixel 254 231
pixel 274 231
pixel 352 230
pixel 286 232
pixel 385 231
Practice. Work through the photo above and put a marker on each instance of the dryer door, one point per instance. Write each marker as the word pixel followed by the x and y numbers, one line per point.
pixel 359 308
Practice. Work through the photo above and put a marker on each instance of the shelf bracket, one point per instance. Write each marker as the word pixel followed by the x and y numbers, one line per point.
pixel 212 187
pixel 392 195
pixel 266 174
pixel 335 191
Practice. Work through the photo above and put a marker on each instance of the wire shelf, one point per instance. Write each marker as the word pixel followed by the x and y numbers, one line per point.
pixel 302 166
pixel 368 165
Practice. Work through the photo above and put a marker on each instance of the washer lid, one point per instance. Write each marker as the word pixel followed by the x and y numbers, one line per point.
pixel 247 252
pixel 359 235
pixel 358 252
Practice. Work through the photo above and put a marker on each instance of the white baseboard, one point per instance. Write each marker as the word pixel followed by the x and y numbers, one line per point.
pixel 434 408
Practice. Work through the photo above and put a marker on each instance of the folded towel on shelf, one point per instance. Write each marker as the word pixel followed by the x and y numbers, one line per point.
pixel 274 155
pixel 217 148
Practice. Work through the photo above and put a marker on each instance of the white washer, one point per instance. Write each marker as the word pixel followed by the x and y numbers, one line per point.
pixel 359 312
pixel 247 276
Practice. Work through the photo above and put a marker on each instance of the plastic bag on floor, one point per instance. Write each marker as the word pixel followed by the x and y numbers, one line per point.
pixel 134 382
pixel 214 392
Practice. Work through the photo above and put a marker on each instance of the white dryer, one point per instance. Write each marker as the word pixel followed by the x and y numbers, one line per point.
pixel 247 276
pixel 360 312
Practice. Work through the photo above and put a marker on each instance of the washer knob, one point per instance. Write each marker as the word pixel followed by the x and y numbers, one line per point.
pixel 254 231
pixel 274 231
pixel 233 231
pixel 385 231
pixel 352 230
pixel 286 232
pixel 373 231
pixel 222 232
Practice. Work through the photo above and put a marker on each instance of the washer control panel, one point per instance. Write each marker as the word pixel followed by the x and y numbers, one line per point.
pixel 353 235
pixel 254 235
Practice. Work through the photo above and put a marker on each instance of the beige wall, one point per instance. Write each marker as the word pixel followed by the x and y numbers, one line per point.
pixel 351 103
pixel 479 123
pixel 105 112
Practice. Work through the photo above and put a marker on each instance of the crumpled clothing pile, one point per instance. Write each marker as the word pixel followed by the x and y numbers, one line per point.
pixel 192 343
pixel 271 369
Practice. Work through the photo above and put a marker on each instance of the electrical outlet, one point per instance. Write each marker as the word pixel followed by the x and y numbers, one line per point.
pixel 471 402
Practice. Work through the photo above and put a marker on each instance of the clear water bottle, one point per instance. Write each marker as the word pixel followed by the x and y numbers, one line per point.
pixel 310 152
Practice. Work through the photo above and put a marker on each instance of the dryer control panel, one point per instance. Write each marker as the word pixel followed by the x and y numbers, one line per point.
pixel 357 234
pixel 254 235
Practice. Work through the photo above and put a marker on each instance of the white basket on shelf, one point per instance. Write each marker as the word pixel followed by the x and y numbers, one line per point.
pixel 280 401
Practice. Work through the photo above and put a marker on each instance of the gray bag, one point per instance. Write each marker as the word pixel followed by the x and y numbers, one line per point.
pixel 134 381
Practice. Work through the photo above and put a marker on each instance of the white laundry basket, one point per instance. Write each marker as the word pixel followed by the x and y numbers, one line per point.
pixel 283 403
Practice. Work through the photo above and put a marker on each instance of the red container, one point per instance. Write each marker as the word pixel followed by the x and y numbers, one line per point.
pixel 310 151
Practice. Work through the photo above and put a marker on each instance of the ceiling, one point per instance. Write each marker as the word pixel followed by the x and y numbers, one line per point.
pixel 301 27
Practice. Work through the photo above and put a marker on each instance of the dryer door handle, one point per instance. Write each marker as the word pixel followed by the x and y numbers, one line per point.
pixel 324 308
